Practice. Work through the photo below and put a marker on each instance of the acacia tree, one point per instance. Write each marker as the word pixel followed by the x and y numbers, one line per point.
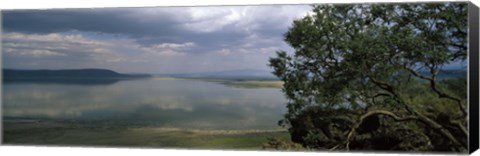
pixel 364 77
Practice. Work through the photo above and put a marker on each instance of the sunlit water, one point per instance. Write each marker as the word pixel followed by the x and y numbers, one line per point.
pixel 166 103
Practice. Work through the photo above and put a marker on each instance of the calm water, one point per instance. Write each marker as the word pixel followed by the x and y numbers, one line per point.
pixel 164 103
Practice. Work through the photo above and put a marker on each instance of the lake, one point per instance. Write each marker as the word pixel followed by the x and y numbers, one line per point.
pixel 154 102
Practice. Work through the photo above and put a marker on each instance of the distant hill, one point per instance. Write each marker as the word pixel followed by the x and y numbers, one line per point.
pixel 230 74
pixel 9 74
pixel 448 74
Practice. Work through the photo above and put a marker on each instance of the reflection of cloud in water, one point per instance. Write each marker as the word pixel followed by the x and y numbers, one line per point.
pixel 248 98
pixel 173 103
pixel 222 101
pixel 169 103
pixel 53 100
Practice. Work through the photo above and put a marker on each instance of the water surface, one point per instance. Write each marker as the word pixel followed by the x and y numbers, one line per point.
pixel 170 103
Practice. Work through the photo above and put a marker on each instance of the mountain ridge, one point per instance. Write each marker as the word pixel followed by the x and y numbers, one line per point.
pixel 64 73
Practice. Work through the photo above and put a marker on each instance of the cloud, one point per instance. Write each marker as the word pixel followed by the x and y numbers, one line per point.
pixel 77 51
pixel 163 39
pixel 206 20
pixel 162 24
pixel 38 53
pixel 57 51
pixel 174 45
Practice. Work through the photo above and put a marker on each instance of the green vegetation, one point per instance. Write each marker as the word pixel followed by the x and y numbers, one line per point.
pixel 65 134
pixel 365 77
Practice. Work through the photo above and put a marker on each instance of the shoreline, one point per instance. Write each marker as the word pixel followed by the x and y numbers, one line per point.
pixel 46 133
pixel 10 120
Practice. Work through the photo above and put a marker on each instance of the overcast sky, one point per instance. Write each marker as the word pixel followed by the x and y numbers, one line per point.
pixel 147 40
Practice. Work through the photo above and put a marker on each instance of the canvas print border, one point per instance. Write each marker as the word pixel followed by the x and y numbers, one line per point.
pixel 473 109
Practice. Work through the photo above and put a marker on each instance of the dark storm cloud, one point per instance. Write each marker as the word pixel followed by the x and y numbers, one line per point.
pixel 115 21
pixel 164 39
pixel 165 26
pixel 152 25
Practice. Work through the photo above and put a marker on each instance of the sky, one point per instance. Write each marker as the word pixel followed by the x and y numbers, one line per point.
pixel 147 40
pixel 150 39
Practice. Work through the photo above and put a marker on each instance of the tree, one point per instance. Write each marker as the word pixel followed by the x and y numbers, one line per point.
pixel 364 77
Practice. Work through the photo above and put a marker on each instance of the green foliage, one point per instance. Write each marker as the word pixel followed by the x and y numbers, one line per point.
pixel 350 60
pixel 456 86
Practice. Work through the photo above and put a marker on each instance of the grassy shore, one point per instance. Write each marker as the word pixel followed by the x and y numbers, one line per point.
pixel 69 134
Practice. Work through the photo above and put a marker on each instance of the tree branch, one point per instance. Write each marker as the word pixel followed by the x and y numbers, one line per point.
pixel 434 125
pixel 371 113
pixel 436 90
pixel 460 125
